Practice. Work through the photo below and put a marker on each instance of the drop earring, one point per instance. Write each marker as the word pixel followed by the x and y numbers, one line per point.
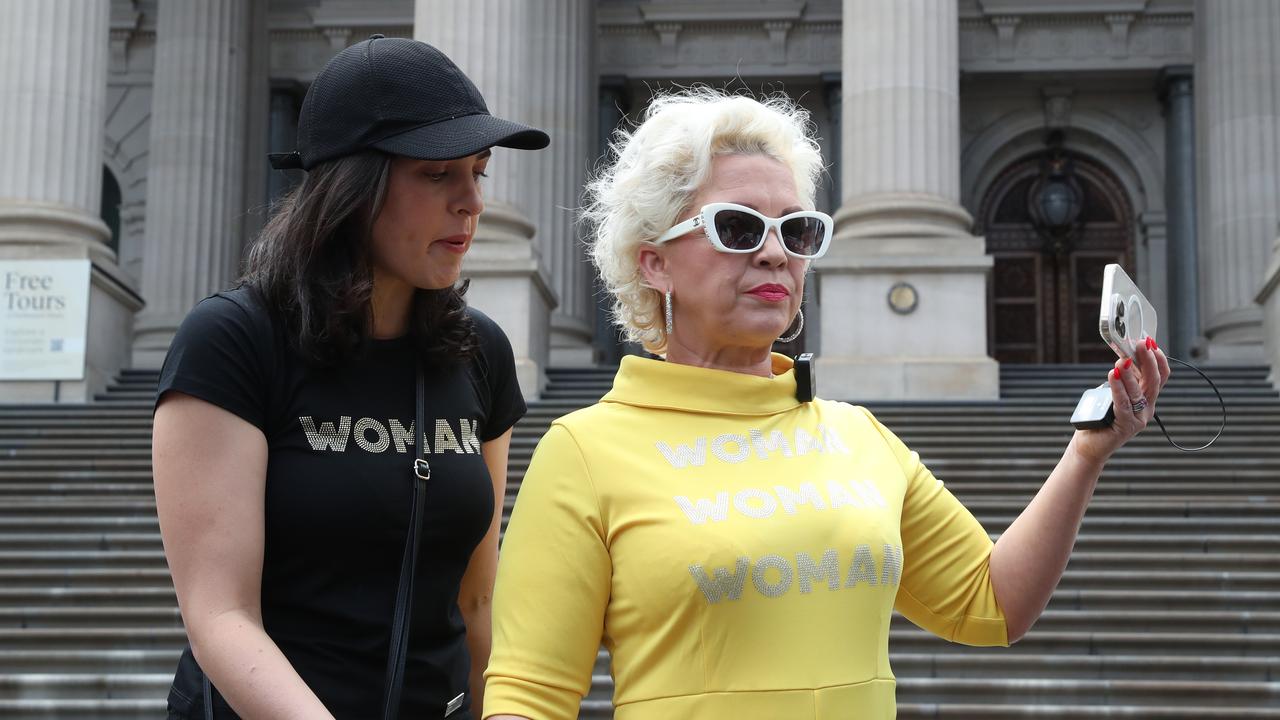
pixel 667 304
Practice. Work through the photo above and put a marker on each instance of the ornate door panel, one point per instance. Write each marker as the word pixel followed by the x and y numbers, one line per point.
pixel 1046 283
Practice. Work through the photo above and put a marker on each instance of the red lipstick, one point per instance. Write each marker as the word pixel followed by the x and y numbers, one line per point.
pixel 770 292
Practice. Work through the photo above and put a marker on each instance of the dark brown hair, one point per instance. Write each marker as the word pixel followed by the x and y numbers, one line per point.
pixel 312 266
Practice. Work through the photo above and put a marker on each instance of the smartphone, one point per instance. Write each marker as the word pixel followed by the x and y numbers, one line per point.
pixel 1126 318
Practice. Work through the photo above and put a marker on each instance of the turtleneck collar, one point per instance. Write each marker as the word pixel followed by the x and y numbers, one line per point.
pixel 643 382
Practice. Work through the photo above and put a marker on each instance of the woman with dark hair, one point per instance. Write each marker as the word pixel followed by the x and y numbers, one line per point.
pixel 287 432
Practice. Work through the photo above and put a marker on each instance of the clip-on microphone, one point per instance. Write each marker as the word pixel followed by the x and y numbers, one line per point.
pixel 805 380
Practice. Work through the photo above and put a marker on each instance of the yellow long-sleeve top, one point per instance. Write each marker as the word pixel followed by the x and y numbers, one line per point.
pixel 740 554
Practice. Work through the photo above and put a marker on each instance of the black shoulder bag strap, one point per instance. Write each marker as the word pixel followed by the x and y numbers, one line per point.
pixel 404 594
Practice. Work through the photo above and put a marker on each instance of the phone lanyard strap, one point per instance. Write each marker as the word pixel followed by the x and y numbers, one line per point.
pixel 1221 402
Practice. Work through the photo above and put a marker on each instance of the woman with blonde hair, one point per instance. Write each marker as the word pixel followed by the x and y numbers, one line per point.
pixel 740 551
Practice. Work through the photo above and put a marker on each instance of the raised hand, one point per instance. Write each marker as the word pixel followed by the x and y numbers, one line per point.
pixel 1135 385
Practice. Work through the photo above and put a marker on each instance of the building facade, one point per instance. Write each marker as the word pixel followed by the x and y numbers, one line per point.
pixel 986 159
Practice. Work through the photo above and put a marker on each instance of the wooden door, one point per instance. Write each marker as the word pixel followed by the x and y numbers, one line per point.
pixel 1045 286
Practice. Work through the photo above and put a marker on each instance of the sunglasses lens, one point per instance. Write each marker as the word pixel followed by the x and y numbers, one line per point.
pixel 803 236
pixel 738 230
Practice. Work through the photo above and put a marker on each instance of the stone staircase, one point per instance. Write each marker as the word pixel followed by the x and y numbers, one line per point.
pixel 1170 607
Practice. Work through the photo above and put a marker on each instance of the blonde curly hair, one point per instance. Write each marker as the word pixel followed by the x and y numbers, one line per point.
pixel 655 170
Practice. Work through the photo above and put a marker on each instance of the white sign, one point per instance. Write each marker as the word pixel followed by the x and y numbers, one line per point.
pixel 44 315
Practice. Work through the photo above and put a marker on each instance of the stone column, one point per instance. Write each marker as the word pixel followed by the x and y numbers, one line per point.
pixel 900 221
pixel 1238 128
pixel 195 183
pixel 282 136
pixel 833 87
pixel 53 86
pixel 490 41
pixel 1182 325
pixel 1269 299
pixel 609 342
pixel 257 124
pixel 562 92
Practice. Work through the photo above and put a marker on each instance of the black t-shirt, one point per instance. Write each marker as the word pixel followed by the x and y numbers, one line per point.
pixel 340 451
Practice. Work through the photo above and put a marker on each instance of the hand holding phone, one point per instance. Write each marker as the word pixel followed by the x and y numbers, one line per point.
pixel 1125 320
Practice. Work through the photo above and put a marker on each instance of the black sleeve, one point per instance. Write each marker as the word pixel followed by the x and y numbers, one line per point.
pixel 221 354
pixel 497 366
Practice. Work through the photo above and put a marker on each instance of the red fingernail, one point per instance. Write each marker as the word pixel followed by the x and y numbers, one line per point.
pixel 1127 363
pixel 1115 373
pixel 1151 343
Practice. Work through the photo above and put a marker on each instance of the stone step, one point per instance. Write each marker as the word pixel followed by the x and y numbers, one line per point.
pixel 1151 447
pixel 1072 691
pixel 97 709
pixel 89 661
pixel 1103 643
pixel 905 665
pixel 134 444
pixel 90 577
pixel 918 697
pixel 67 542
pixel 1011 664
pixel 1008 664
pixel 903 638
pixel 1159 621
pixel 47 538
pixel 69 490
pixel 1178 484
pixel 1007 370
pixel 79 524
pixel 91 617
pixel 1210 544
pixel 19 595
pixel 1014 491
pixel 1182 389
pixel 1227 513
pixel 131 394
pixel 141 408
pixel 143 637
pixel 1049 443
pixel 1039 415
pixel 1211 696
pixel 139 516
pixel 1074 579
pixel 530 430
pixel 980 711
pixel 84 686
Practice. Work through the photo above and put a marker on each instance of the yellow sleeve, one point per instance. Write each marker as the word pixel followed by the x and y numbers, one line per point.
pixel 552 589
pixel 946 575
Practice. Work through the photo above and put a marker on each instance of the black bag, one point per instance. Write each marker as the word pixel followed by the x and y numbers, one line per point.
pixel 183 703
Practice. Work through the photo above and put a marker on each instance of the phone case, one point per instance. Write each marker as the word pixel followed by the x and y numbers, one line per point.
pixel 1126 318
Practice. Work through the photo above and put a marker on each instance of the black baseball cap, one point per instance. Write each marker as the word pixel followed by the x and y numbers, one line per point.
pixel 400 96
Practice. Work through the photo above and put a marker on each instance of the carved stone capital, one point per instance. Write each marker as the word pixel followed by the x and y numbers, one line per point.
pixel 668 35
pixel 125 19
pixel 778 30
pixel 1057 106
pixel 1119 24
pixel 339 37
pixel 1005 26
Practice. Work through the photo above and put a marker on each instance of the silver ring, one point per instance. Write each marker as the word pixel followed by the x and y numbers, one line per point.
pixel 1139 405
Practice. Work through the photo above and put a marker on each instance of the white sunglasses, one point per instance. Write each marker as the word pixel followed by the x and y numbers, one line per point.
pixel 734 228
